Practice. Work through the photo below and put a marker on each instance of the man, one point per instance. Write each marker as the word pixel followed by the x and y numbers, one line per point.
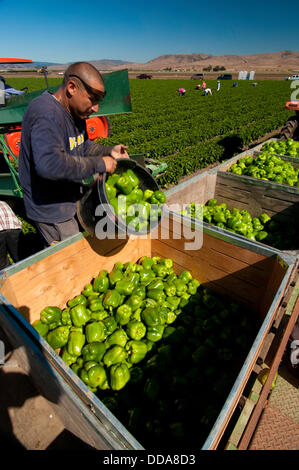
pixel 10 231
pixel 56 154
pixel 208 91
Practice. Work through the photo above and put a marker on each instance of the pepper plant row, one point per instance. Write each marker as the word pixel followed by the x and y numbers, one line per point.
pixel 201 128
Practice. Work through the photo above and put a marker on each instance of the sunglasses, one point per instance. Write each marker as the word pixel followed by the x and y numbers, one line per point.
pixel 98 95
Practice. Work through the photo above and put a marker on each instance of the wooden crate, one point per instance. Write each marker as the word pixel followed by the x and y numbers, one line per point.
pixel 231 266
pixel 242 193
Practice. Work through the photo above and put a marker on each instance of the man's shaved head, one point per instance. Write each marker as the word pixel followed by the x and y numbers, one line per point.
pixel 86 71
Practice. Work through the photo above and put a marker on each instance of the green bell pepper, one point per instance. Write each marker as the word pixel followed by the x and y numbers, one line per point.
pixel 66 317
pixel 78 300
pixel 118 337
pixel 99 315
pixel 146 277
pixel 155 333
pixel 79 315
pixel 140 291
pixel 123 314
pixel 119 376
pixel 95 304
pixel 136 315
pixel 51 316
pixel 146 263
pixel 136 350
pixel 135 196
pixel 68 358
pixel 112 299
pixel 156 284
pixel 115 275
pixel 169 289
pixel 110 191
pixel 95 377
pixel 147 194
pixel 88 290
pixel 58 337
pixel 150 316
pixel 124 287
pixel 93 352
pixel 160 270
pixel 185 276
pixel 132 177
pixel 156 294
pixel 134 302
pixel 136 329
pixel 193 286
pixel 172 302
pixel 133 277
pixel 114 355
pixel 181 286
pixel 110 325
pixel 171 317
pixel 95 332
pixel 101 282
pixel 41 328
pixel 75 343
pixel 124 184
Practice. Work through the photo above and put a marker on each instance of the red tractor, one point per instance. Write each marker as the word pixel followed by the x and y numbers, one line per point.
pixel 291 127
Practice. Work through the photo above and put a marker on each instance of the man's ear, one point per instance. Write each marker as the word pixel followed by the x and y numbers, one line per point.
pixel 71 88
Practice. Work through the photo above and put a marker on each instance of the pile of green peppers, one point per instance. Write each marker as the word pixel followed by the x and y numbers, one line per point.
pixel 137 208
pixel 283 147
pixel 174 399
pixel 262 228
pixel 116 320
pixel 267 166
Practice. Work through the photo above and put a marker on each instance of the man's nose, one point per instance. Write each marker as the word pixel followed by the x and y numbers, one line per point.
pixel 95 108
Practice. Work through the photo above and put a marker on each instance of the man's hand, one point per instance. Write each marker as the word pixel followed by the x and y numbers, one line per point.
pixel 110 164
pixel 119 151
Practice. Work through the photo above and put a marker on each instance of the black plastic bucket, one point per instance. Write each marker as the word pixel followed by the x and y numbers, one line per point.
pixel 90 208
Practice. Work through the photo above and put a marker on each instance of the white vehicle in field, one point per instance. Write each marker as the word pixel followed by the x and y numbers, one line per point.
pixel 295 76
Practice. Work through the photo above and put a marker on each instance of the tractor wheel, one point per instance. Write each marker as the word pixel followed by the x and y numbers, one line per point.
pixel 98 127
pixel 290 129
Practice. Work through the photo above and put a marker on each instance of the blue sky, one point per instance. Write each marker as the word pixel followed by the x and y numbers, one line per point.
pixel 139 31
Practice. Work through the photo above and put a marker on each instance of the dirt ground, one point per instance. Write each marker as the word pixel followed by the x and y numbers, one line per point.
pixel 27 420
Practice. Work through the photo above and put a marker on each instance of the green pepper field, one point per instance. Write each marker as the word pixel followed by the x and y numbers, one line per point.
pixel 193 131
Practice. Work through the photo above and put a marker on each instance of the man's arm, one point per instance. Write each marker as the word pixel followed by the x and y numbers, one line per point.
pixel 53 162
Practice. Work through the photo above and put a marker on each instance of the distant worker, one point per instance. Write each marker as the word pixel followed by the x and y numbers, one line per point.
pixel 10 231
pixel 208 91
pixel 235 84
pixel 218 85
pixel 182 91
pixel 10 91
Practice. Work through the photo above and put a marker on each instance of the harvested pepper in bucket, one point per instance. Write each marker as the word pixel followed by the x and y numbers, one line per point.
pixel 133 205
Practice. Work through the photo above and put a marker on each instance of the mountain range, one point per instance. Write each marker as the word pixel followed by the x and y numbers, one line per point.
pixel 275 61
